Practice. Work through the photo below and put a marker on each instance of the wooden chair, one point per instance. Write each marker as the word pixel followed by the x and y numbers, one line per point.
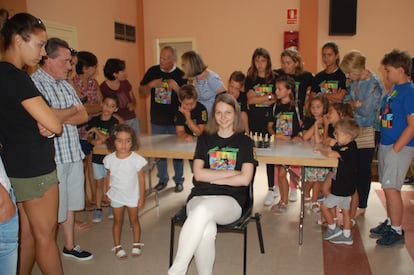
pixel 239 226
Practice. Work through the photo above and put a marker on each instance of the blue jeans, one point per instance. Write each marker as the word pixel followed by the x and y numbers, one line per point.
pixel 9 234
pixel 162 163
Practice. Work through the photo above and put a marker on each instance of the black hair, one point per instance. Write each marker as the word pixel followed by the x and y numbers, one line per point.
pixel 22 24
pixel 113 65
pixel 85 59
pixel 112 96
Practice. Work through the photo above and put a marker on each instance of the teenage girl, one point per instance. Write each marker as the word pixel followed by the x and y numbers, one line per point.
pixel 284 125
pixel 260 88
pixel 331 81
pixel 314 127
pixel 126 185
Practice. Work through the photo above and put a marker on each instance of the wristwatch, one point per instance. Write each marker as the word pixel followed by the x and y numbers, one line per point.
pixel 270 97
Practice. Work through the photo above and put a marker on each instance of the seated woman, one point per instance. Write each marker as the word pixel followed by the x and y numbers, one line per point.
pixel 223 169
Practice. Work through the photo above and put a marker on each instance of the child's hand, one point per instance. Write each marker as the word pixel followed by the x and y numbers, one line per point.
pixel 186 113
pixel 189 138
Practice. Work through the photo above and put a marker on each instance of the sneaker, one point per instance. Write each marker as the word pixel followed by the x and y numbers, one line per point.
pixel 77 253
pixel 293 195
pixel 341 239
pixel 161 185
pixel 269 198
pixel 110 213
pixel 97 216
pixel 391 237
pixel 276 190
pixel 179 188
pixel 331 233
pixel 380 230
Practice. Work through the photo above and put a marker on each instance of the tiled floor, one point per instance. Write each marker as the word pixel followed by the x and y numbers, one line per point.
pixel 283 254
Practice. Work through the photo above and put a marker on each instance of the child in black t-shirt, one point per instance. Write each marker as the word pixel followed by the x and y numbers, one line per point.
pixel 191 116
pixel 98 129
pixel 235 87
pixel 284 125
pixel 343 181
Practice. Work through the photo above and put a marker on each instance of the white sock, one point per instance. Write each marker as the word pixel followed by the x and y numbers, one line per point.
pixel 332 226
pixel 347 232
pixel 397 229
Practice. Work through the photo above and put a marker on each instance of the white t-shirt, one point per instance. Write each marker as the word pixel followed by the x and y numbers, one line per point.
pixel 124 182
pixel 4 179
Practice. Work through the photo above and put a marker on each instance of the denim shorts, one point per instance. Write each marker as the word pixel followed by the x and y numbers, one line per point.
pixel 99 171
pixel 9 234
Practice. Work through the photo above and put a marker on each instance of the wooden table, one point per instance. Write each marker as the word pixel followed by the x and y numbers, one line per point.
pixel 280 152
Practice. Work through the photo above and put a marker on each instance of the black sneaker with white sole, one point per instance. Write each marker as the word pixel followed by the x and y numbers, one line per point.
pixel 77 253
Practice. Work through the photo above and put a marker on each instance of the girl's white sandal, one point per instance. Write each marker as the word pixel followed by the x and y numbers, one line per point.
pixel 136 251
pixel 120 254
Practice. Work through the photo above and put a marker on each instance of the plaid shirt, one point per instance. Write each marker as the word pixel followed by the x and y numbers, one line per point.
pixel 61 95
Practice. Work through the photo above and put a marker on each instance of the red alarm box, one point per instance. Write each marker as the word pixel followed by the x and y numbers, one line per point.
pixel 291 39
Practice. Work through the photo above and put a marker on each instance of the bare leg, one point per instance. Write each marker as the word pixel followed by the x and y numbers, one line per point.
pixel 283 184
pixel 327 214
pixel 346 218
pixel 134 220
pixel 394 206
pixel 41 216
pixel 99 192
pixel 68 230
pixel 354 204
pixel 117 226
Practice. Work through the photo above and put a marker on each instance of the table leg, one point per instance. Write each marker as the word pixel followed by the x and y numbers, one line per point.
pixel 298 180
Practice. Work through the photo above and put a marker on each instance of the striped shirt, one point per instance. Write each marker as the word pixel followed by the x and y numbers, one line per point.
pixel 61 95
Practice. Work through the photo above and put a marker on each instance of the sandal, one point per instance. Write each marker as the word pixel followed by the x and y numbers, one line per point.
pixel 136 249
pixel 279 208
pixel 315 207
pixel 119 252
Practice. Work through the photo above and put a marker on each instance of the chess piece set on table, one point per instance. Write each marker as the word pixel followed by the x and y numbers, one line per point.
pixel 260 141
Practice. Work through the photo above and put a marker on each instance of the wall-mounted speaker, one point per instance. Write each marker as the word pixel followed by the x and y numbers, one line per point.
pixel 342 17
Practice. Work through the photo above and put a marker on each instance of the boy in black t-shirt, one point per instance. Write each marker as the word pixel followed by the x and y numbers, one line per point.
pixel 98 129
pixel 235 87
pixel 191 116
pixel 343 181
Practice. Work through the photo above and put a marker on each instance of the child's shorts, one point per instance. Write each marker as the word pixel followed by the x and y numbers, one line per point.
pixel 115 204
pixel 393 166
pixel 99 171
pixel 342 202
pixel 316 174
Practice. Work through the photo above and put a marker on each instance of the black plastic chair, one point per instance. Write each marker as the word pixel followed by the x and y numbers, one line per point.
pixel 239 226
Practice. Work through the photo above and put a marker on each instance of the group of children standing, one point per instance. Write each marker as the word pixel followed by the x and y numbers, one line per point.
pixel 341 109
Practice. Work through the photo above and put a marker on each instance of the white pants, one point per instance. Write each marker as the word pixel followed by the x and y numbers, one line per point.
pixel 199 231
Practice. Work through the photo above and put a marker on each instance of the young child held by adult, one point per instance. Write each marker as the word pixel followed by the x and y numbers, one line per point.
pixel 314 128
pixel 98 132
pixel 396 149
pixel 343 181
pixel 235 87
pixel 284 125
pixel 125 185
pixel 191 116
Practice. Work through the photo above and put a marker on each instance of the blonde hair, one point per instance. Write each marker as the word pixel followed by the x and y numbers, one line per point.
pixel 348 126
pixel 353 62
pixel 295 56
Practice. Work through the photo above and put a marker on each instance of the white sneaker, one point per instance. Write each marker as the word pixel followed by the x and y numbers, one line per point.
pixel 293 195
pixel 269 198
pixel 276 190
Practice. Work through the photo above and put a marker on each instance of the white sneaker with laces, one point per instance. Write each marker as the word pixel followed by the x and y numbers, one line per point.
pixel 276 190
pixel 269 198
pixel 293 195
